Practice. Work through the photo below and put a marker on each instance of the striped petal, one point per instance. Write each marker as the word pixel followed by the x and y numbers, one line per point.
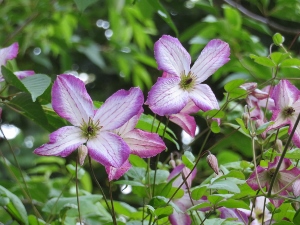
pixel 204 98
pixel 213 56
pixel 144 144
pixel 166 97
pixel 71 101
pixel 185 121
pixel 62 142
pixel 23 74
pixel 115 173
pixel 171 56
pixel 108 149
pixel 119 108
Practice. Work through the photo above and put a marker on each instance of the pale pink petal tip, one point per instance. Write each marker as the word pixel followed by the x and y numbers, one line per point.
pixel 115 173
pixel 23 74
pixel 8 53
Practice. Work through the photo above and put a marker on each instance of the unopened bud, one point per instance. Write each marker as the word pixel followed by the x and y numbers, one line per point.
pixel 82 152
pixel 246 116
pixel 278 145
pixel 172 163
pixel 213 163
pixel 178 162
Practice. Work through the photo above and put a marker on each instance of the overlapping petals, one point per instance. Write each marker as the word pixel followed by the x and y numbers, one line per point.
pixel 287 108
pixel 179 84
pixel 141 143
pixel 92 127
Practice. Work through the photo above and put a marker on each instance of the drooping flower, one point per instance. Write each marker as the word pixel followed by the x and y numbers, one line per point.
pixel 9 53
pixel 287 108
pixel 141 143
pixel 284 177
pixel 91 127
pixel 171 93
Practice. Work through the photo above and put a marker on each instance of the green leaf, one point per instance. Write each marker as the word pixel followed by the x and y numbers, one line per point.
pixel 161 176
pixel 200 206
pixel 278 39
pixel 36 84
pixel 163 212
pixel 12 79
pixel 55 205
pixel 33 220
pixel 262 60
pixel 290 63
pixel 242 125
pixel 232 203
pixel 163 13
pixel 233 17
pixel 129 182
pixel 224 185
pixel 33 110
pixel 198 192
pixel 214 126
pixel 296 218
pixel 83 4
pixel 214 113
pixel 232 85
pixel 14 206
pixel 188 159
pixel 263 127
pixel 278 57
pixel 137 161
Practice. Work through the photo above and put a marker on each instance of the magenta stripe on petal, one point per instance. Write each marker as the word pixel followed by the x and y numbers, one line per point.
pixel 62 142
pixel 23 74
pixel 108 149
pixel 186 122
pixel 71 101
pixel 8 53
pixel 213 56
pixel 166 97
pixel 115 173
pixel 171 56
pixel 119 108
pixel 144 144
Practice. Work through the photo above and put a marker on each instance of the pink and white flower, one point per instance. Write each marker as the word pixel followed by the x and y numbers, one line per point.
pixel 141 143
pixel 91 127
pixel 287 108
pixel 10 53
pixel 170 94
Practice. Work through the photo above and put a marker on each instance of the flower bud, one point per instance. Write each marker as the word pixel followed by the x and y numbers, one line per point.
pixel 213 163
pixel 82 151
pixel 278 145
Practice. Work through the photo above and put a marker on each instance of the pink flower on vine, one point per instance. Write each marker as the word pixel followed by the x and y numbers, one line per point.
pixel 170 94
pixel 91 127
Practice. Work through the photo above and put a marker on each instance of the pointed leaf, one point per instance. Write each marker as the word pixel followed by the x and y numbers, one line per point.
pixel 12 79
pixel 83 4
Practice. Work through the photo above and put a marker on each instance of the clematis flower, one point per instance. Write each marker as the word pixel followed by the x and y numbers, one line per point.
pixel 283 178
pixel 141 143
pixel 91 127
pixel 287 108
pixel 171 93
pixel 9 53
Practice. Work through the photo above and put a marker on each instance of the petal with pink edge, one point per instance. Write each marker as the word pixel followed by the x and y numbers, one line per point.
pixel 23 74
pixel 177 218
pixel 119 108
pixel 8 53
pixel 62 142
pixel 108 149
pixel 171 56
pixel 166 97
pixel 115 173
pixel 285 94
pixel 262 175
pixel 144 144
pixel 204 98
pixel 129 125
pixel 185 121
pixel 213 56
pixel 71 101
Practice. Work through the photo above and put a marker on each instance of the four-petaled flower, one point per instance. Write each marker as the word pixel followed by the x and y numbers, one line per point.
pixel 9 53
pixel 92 127
pixel 171 93
pixel 287 108
pixel 283 179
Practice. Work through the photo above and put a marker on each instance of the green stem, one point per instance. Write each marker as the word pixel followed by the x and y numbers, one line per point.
pixel 77 192
pixel 112 204
pixel 283 154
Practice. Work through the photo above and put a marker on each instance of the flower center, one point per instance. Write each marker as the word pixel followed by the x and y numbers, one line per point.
pixel 187 81
pixel 89 130
pixel 288 111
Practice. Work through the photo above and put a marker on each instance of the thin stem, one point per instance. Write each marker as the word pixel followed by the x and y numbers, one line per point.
pixel 112 204
pixel 77 192
pixel 26 191
pixel 98 184
pixel 282 155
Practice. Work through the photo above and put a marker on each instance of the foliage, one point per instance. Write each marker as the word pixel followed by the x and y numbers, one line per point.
pixel 109 45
